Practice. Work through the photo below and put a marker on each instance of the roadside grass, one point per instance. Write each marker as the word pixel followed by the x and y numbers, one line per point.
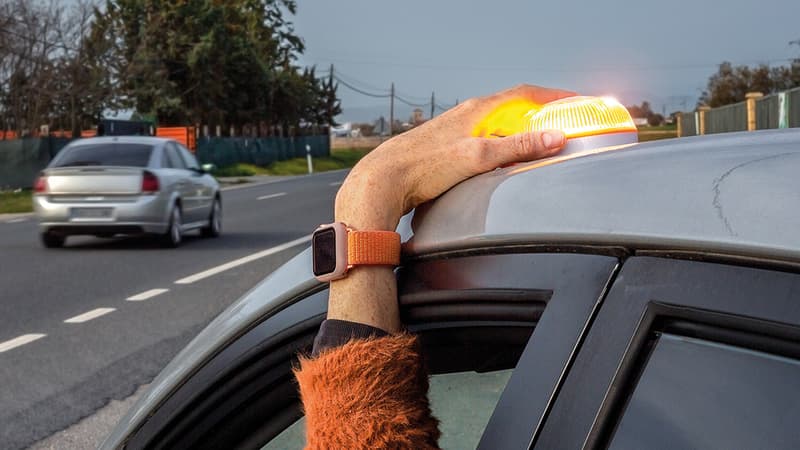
pixel 655 134
pixel 15 201
pixel 339 159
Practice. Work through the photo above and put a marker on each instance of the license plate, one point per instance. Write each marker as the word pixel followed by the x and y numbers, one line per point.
pixel 90 213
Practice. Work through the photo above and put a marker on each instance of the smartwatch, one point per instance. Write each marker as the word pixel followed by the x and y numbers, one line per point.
pixel 337 248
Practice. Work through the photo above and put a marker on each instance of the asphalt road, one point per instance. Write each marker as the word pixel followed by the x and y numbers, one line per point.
pixel 91 322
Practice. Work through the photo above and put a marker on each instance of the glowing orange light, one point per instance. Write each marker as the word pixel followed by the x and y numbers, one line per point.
pixel 582 116
pixel 507 119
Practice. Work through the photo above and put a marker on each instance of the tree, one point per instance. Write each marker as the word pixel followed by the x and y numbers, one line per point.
pixel 217 63
pixel 730 84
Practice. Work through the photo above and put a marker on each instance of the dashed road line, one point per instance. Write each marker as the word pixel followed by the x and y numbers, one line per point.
pixel 146 295
pixel 19 341
pixel 336 183
pixel 87 316
pixel 265 197
pixel 18 220
pixel 238 262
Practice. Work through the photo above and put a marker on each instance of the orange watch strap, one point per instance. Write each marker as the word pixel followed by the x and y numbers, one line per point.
pixel 373 248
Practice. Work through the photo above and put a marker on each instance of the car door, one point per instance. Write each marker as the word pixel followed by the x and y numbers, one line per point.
pixel 476 314
pixel 202 184
pixel 182 183
pixel 683 355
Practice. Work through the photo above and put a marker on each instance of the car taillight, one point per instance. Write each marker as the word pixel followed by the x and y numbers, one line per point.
pixel 40 185
pixel 149 183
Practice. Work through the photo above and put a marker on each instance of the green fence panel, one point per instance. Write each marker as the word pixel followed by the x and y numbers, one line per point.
pixel 688 124
pixel 22 159
pixel 793 97
pixel 225 152
pixel 767 112
pixel 727 118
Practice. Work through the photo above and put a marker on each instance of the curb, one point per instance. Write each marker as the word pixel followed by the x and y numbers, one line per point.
pixel 12 216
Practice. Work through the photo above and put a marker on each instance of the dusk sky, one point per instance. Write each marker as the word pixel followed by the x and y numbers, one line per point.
pixel 662 52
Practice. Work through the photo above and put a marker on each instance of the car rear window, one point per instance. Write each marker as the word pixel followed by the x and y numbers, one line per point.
pixel 119 154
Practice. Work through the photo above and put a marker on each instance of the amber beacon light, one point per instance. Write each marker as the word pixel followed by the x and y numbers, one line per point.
pixel 588 122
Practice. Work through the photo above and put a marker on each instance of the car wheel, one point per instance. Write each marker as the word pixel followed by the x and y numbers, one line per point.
pixel 214 227
pixel 174 235
pixel 52 240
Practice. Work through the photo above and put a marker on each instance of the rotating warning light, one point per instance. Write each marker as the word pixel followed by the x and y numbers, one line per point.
pixel 588 122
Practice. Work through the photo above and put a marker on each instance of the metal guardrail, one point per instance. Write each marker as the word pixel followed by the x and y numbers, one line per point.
pixel 781 110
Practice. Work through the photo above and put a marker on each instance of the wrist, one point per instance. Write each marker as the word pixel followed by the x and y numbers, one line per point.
pixel 364 203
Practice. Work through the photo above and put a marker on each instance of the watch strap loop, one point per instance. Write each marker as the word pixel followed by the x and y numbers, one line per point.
pixel 373 248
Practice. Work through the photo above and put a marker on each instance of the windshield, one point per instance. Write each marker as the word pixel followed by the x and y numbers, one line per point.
pixel 132 155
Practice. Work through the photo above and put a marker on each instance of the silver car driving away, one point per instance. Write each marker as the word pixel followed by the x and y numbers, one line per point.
pixel 126 185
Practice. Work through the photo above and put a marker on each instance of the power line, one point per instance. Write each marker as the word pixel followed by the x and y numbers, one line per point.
pixel 362 92
pixel 355 81
pixel 409 103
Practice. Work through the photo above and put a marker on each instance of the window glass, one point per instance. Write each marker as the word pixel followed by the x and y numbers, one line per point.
pixel 463 402
pixel 174 159
pixel 112 154
pixel 188 158
pixel 700 394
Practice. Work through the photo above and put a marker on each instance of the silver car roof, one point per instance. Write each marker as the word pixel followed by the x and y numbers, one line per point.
pixel 732 194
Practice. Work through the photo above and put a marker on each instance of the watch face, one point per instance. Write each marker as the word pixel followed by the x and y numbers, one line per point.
pixel 324 245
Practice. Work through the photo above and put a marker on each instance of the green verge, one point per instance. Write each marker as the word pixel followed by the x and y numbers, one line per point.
pixel 653 135
pixel 339 159
pixel 15 202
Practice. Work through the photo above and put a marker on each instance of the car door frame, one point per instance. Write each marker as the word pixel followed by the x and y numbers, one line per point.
pixel 706 300
pixel 439 297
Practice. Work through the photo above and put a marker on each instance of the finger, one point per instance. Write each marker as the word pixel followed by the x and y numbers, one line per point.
pixel 535 94
pixel 491 153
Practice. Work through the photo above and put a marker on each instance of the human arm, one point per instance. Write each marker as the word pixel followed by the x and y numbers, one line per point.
pixel 380 381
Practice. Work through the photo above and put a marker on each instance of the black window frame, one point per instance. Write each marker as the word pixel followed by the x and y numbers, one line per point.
pixel 497 302
pixel 750 307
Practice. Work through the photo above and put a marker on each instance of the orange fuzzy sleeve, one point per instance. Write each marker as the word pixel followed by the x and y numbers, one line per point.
pixel 369 393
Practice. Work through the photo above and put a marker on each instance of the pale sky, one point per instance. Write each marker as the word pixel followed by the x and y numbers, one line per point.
pixel 662 51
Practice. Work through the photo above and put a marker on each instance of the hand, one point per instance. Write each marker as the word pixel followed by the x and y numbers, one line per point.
pixel 423 163
pixel 418 166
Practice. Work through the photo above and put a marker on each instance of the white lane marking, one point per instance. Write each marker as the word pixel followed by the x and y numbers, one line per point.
pixel 87 316
pixel 19 341
pixel 16 220
pixel 238 262
pixel 336 183
pixel 146 295
pixel 264 197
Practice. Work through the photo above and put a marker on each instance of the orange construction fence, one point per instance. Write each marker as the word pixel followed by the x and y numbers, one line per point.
pixel 184 135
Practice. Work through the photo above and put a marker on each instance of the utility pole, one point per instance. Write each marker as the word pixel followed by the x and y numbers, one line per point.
pixel 327 100
pixel 433 103
pixel 391 113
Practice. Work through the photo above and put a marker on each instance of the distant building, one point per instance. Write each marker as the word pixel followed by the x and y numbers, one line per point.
pixel 640 121
pixel 417 117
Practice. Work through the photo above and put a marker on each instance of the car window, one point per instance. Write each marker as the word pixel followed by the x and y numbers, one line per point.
pixel 463 402
pixel 172 154
pixel 165 160
pixel 111 154
pixel 695 393
pixel 188 158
